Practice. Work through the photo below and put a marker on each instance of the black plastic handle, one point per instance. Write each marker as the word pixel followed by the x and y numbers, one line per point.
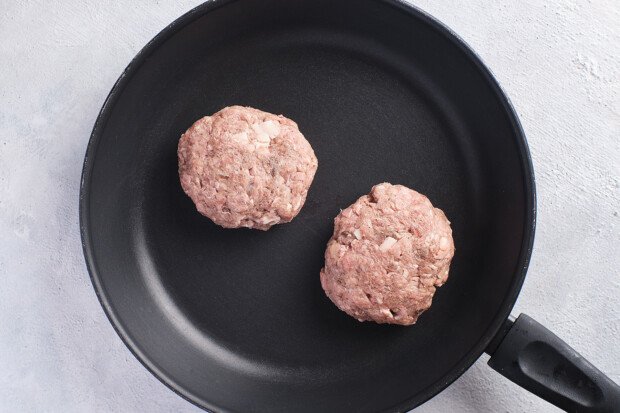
pixel 539 361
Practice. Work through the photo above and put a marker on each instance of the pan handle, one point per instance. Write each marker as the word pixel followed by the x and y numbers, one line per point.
pixel 539 361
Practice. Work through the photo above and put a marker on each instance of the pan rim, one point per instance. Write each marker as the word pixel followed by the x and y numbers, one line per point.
pixel 528 182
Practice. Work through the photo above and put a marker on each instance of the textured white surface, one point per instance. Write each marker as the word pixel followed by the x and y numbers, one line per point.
pixel 558 60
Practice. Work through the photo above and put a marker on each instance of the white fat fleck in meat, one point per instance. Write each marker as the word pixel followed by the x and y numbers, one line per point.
pixel 271 128
pixel 241 137
pixel 357 233
pixel 387 244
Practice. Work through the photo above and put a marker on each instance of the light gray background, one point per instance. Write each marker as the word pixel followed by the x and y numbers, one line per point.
pixel 557 60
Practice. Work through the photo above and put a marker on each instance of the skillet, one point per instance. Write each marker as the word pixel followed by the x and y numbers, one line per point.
pixel 235 320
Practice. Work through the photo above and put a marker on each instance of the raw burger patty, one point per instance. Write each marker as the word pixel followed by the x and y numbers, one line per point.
pixel 243 167
pixel 389 252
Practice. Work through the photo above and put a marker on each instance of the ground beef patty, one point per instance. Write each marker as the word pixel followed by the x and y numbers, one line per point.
pixel 243 167
pixel 389 252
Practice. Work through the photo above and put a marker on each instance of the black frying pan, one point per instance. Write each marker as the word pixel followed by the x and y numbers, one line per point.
pixel 235 320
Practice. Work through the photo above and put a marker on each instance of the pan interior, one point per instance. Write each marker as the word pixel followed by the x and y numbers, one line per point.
pixel 236 320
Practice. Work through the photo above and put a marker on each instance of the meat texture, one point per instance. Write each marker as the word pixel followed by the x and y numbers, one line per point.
pixel 389 252
pixel 243 167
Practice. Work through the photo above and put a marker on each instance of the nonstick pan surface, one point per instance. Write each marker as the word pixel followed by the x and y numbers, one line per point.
pixel 236 320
